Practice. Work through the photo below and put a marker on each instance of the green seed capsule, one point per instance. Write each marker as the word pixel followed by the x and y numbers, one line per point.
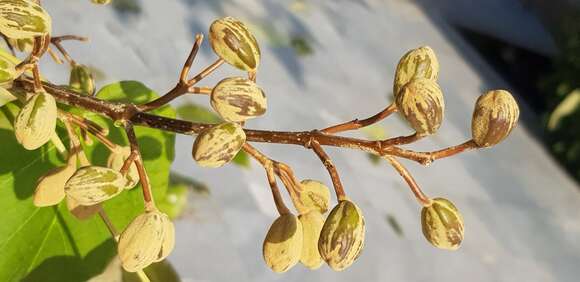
pixel 23 19
pixel 283 243
pixel 218 145
pixel 342 236
pixel 142 241
pixel 417 63
pixel 238 99
pixel 81 80
pixel 232 41
pixel 36 121
pixel 313 196
pixel 495 115
pixel 312 223
pixel 421 103
pixel 442 224
pixel 7 71
pixel 91 185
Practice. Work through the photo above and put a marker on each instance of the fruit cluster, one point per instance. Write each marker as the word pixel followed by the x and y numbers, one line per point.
pixel 308 238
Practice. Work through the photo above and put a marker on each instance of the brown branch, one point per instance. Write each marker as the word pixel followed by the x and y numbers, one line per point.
pixel 145 186
pixel 421 197
pixel 356 123
pixel 338 189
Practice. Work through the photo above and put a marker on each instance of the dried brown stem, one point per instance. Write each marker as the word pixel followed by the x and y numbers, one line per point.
pixel 421 197
pixel 327 161
pixel 143 178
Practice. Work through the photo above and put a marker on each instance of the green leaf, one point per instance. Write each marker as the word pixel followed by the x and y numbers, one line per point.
pixel 49 244
pixel 242 160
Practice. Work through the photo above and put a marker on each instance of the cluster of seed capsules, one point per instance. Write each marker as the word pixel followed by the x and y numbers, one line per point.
pixel 308 238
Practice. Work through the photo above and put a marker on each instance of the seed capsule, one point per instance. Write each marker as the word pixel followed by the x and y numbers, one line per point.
pixel 6 97
pixel 101 2
pixel 141 242
pixel 91 185
pixel 237 99
pixel 81 80
pixel 442 224
pixel 417 63
pixel 283 243
pixel 421 103
pixel 342 236
pixel 22 44
pixel 312 223
pixel 23 19
pixel 231 40
pixel 50 188
pixel 218 145
pixel 36 121
pixel 314 196
pixel 496 114
pixel 7 71
pixel 79 211
pixel 117 159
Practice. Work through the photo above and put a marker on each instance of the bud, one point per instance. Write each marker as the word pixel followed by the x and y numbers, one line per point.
pixel 237 99
pixel 141 242
pixel 283 243
pixel 442 224
pixel 168 239
pixel 313 196
pixel 421 103
pixel 36 121
pixel 342 236
pixel 81 80
pixel 312 223
pixel 496 114
pixel 231 40
pixel 91 185
pixel 23 19
pixel 417 63
pixel 50 188
pixel 22 44
pixel 7 71
pixel 218 145
pixel 117 160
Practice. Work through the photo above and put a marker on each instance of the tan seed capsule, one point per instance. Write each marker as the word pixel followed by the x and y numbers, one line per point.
pixel 283 243
pixel 421 103
pixel 36 121
pixel 81 80
pixel 218 145
pixel 116 161
pixel 342 236
pixel 22 44
pixel 50 188
pixel 23 19
pixel 312 223
pixel 495 115
pixel 442 224
pixel 91 185
pixel 140 243
pixel 313 196
pixel 238 99
pixel 417 63
pixel 168 239
pixel 232 41
pixel 6 97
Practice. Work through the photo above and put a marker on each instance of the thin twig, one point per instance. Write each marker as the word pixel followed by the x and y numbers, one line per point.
pixel 145 186
pixel 356 123
pixel 338 189
pixel 421 197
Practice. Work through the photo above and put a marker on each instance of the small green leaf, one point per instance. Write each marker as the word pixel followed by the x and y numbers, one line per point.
pixel 197 113
pixel 242 160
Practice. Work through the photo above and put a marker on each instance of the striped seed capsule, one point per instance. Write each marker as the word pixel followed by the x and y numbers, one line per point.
pixel 50 188
pixel 141 242
pixel 168 239
pixel 442 224
pixel 36 121
pixel 116 161
pixel 238 99
pixel 231 40
pixel 342 236
pixel 91 185
pixel 312 223
pixel 81 80
pixel 417 63
pixel 313 196
pixel 218 145
pixel 283 243
pixel 495 115
pixel 7 71
pixel 421 103
pixel 23 19
pixel 22 44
